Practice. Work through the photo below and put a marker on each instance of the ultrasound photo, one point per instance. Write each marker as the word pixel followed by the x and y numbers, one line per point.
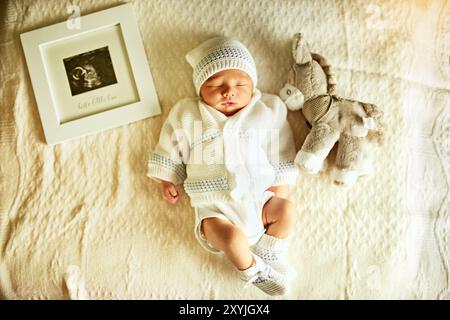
pixel 89 71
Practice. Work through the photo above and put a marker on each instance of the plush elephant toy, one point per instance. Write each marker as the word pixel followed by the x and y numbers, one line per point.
pixel 311 88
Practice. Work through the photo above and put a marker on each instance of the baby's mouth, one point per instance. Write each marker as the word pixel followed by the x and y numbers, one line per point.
pixel 228 103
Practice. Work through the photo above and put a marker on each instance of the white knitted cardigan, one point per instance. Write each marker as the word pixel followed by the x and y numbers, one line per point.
pixel 191 147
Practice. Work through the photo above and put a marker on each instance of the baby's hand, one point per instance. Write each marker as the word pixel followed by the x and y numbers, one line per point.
pixel 169 191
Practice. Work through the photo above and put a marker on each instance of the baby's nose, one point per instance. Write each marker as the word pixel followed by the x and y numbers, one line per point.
pixel 229 92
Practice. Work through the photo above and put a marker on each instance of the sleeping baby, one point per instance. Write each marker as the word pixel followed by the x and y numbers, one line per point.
pixel 233 150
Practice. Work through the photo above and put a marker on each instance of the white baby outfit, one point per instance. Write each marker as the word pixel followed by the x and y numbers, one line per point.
pixel 227 163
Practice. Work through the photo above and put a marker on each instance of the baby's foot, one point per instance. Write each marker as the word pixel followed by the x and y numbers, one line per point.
pixel 273 251
pixel 265 278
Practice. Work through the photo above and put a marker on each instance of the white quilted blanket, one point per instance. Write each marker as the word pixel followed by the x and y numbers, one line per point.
pixel 81 219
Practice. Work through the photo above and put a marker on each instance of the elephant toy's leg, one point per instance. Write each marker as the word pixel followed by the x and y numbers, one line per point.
pixel 349 158
pixel 316 147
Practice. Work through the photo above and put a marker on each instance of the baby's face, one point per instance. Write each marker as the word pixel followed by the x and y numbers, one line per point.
pixel 227 91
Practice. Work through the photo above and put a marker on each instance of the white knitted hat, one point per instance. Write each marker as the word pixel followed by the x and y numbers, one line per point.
pixel 218 54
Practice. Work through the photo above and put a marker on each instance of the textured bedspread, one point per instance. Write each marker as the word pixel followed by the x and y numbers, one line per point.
pixel 82 220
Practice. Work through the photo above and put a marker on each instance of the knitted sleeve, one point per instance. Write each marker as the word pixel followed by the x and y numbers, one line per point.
pixel 167 161
pixel 281 147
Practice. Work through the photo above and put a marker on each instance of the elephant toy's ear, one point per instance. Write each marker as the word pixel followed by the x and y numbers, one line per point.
pixel 300 50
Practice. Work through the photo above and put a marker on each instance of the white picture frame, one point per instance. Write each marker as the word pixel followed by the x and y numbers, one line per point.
pixel 90 76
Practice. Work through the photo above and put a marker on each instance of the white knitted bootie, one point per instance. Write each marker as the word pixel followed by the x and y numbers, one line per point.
pixel 273 251
pixel 265 278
